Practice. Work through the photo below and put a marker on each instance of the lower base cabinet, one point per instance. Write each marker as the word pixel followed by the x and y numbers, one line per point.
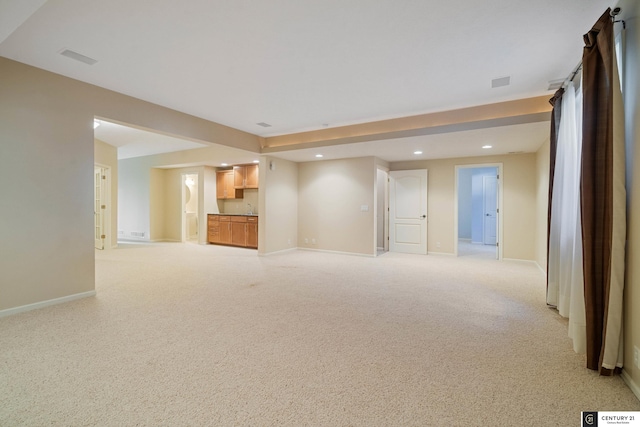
pixel 234 230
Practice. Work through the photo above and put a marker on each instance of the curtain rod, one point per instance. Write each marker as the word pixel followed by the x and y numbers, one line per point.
pixel 615 12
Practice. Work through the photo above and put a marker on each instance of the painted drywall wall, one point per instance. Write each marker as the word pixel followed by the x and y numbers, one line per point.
pixel 631 14
pixel 46 221
pixel 46 129
pixel 331 195
pixel 107 155
pixel 134 198
pixel 519 201
pixel 542 205
pixel 157 204
pixel 278 205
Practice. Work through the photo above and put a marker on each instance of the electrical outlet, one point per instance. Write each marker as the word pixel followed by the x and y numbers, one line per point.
pixel 437 244
pixel 636 357
pixel 306 241
pixel 313 241
pixel 289 242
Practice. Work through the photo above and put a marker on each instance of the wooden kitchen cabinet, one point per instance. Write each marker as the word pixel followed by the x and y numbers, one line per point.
pixel 245 176
pixel 252 232
pixel 213 229
pixel 235 230
pixel 239 230
pixel 225 230
pixel 225 188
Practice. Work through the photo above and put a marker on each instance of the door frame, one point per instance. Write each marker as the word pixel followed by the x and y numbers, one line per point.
pixel 385 212
pixel 499 218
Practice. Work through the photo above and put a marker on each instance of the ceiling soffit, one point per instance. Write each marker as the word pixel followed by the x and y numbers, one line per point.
pixel 521 111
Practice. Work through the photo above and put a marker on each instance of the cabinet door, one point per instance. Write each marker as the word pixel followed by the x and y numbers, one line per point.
pixel 251 176
pixel 225 230
pixel 230 190
pixel 238 176
pixel 220 185
pixel 252 234
pixel 239 234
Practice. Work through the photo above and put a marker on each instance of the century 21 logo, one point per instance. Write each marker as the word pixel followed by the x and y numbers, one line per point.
pixel 589 419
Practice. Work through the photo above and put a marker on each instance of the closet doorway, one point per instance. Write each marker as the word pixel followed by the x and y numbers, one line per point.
pixel 478 226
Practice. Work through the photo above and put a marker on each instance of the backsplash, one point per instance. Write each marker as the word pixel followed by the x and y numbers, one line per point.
pixel 240 206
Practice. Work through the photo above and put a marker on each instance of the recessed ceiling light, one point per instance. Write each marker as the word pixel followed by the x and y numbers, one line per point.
pixel 487 146
pixel 224 164
pixel 319 155
pixel 417 152
pixel 256 161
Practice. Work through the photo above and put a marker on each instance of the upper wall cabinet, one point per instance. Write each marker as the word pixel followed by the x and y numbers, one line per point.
pixel 245 176
pixel 224 186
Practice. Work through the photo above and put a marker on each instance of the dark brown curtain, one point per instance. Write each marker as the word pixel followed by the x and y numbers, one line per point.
pixel 596 183
pixel 556 102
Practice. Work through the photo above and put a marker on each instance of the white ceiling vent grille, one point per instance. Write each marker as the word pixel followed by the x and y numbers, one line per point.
pixel 555 84
pixel 264 125
pixel 500 81
pixel 78 57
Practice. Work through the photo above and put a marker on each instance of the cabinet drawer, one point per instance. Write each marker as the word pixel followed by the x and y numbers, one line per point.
pixel 252 219
pixel 224 218
pixel 238 219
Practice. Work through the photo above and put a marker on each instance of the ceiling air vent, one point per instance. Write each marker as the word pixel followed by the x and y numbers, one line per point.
pixel 264 125
pixel 500 81
pixel 555 84
pixel 78 57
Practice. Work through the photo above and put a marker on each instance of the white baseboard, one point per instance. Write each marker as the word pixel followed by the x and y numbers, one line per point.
pixel 42 304
pixel 632 384
pixel 278 252
pixel 526 261
pixel 440 253
pixel 337 252
pixel 542 270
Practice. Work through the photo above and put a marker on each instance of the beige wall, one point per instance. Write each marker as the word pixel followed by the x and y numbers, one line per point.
pixel 542 204
pixel 57 155
pixel 107 155
pixel 330 196
pixel 631 13
pixel 519 202
pixel 278 205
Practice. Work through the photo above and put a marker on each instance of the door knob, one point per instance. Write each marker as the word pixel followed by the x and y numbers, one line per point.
pixel 423 216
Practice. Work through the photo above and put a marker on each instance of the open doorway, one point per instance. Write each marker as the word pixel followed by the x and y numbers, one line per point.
pixel 478 201
pixel 190 220
pixel 382 210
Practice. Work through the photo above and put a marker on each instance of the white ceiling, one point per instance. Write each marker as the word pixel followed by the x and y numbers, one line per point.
pixel 304 65
pixel 133 142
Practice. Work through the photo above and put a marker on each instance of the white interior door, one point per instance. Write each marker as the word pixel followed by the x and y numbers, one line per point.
pixel 408 211
pixel 98 207
pixel 490 208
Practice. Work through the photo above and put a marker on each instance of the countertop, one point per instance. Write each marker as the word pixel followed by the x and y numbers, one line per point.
pixel 233 214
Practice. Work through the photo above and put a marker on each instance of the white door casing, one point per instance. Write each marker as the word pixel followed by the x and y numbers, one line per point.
pixel 408 211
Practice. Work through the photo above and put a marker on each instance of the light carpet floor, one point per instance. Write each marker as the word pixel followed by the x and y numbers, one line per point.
pixel 189 335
